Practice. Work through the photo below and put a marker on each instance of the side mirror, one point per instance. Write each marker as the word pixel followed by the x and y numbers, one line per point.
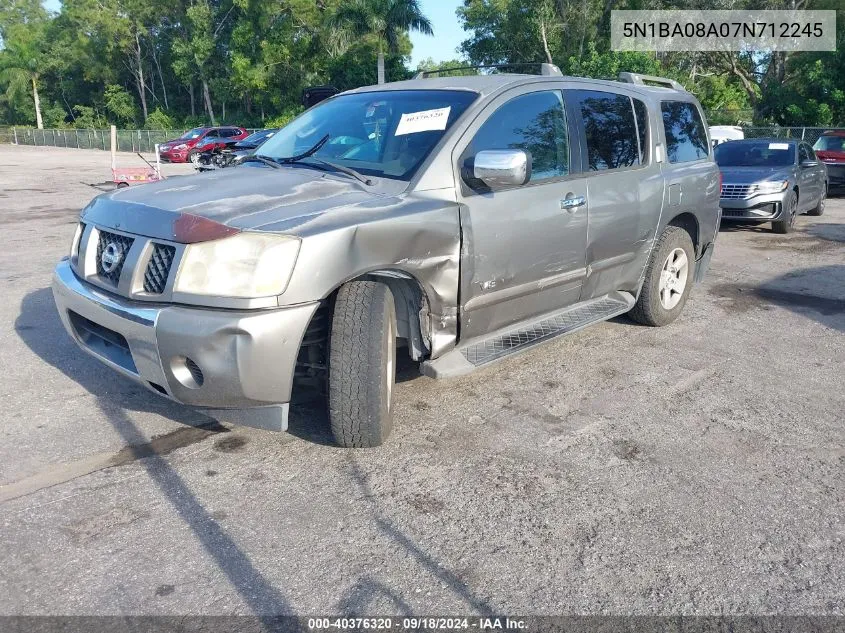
pixel 809 163
pixel 499 168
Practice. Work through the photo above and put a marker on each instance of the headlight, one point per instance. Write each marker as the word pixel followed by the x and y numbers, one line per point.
pixel 244 265
pixel 775 186
pixel 181 146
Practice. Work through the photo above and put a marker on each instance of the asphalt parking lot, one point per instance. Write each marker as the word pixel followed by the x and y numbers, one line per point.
pixel 693 469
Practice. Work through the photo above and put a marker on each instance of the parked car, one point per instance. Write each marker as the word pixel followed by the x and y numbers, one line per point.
pixel 183 149
pixel 217 153
pixel 830 149
pixel 446 217
pixel 723 133
pixel 770 180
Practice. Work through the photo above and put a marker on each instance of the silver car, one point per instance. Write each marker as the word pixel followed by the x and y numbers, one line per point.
pixel 457 220
pixel 770 180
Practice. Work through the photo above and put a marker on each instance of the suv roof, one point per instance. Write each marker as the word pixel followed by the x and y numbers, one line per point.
pixel 833 133
pixel 486 84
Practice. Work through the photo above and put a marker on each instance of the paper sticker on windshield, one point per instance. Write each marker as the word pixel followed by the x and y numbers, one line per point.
pixel 778 145
pixel 423 121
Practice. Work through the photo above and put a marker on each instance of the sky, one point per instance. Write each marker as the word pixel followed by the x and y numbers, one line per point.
pixel 448 33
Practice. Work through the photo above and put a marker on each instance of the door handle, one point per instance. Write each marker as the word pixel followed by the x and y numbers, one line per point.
pixel 571 202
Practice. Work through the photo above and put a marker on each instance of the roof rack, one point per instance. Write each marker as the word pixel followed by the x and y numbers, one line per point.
pixel 548 70
pixel 644 80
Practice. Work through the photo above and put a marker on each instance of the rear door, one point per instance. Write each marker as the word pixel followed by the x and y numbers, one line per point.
pixel 810 179
pixel 624 186
pixel 523 247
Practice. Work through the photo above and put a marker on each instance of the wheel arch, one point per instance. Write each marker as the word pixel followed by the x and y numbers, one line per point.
pixel 411 302
pixel 689 223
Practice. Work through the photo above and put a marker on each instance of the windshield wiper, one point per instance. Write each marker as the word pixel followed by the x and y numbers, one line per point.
pixel 255 158
pixel 306 154
pixel 357 175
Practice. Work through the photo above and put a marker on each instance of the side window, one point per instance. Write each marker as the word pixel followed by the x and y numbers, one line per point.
pixel 610 129
pixel 533 122
pixel 686 137
pixel 228 132
pixel 641 113
pixel 811 153
pixel 803 154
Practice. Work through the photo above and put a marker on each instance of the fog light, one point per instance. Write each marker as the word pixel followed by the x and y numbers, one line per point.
pixel 187 372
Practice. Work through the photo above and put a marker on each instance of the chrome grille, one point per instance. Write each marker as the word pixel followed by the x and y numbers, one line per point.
pixel 158 269
pixel 735 192
pixel 122 244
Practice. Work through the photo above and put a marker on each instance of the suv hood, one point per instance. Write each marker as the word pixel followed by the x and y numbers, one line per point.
pixel 244 197
pixel 749 175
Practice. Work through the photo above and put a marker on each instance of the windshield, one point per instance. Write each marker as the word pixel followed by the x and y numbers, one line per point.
pixel 755 154
pixel 385 134
pixel 196 132
pixel 830 144
pixel 257 137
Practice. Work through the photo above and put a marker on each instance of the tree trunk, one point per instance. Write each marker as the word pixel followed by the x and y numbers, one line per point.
pixel 545 41
pixel 207 98
pixel 191 94
pixel 35 98
pixel 139 75
pixel 160 77
pixel 223 114
pixel 380 66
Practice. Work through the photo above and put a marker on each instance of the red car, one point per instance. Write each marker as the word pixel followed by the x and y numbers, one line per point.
pixel 182 149
pixel 830 148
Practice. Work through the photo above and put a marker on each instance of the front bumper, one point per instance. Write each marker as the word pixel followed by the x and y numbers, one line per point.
pixel 238 364
pixel 174 156
pixel 763 208
pixel 835 176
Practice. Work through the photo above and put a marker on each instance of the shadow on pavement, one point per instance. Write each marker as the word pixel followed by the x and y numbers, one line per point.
pixel 364 593
pixel 39 327
pixel 816 293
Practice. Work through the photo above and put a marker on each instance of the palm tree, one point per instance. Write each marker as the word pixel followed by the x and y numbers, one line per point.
pixel 20 64
pixel 386 20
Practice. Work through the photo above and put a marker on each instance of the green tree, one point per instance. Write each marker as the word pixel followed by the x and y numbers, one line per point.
pixel 23 61
pixel 385 20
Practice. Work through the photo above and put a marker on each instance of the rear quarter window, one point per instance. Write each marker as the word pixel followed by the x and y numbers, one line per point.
pixel 686 136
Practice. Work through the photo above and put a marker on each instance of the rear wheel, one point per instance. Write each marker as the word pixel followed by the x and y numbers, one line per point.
pixel 790 209
pixel 362 364
pixel 668 279
pixel 819 208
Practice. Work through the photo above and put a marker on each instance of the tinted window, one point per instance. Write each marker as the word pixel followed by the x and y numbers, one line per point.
pixel 686 137
pixel 802 153
pixel 533 122
pixel 811 153
pixel 610 129
pixel 641 113
pixel 755 154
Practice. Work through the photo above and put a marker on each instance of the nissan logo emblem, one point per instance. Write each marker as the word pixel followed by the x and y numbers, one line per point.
pixel 110 259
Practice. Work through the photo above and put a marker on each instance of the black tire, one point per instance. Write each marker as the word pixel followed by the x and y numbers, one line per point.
pixel 649 309
pixel 790 211
pixel 819 208
pixel 362 364
pixel 190 157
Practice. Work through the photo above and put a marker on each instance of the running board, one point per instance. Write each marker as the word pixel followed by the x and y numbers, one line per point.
pixel 467 358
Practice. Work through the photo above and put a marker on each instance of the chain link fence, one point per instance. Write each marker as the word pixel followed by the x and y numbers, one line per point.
pixel 145 140
pixel 127 140
pixel 808 134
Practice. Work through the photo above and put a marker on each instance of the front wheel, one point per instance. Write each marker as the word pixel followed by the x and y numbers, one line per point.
pixel 790 209
pixel 668 279
pixel 362 364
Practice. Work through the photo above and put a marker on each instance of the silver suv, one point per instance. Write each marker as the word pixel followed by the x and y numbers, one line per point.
pixel 458 220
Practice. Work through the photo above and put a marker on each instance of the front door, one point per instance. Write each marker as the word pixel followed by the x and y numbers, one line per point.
pixel 523 247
